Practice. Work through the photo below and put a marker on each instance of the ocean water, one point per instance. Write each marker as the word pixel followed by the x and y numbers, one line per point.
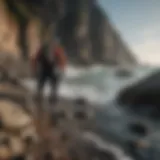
pixel 100 86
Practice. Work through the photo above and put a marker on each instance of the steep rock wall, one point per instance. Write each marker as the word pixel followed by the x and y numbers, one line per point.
pixel 84 29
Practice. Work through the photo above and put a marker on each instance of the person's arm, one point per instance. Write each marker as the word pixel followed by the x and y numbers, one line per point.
pixel 62 59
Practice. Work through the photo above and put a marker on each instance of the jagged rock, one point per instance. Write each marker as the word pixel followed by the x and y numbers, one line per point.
pixel 54 120
pixel 64 136
pixel 61 114
pixel 138 128
pixel 29 140
pixel 140 149
pixel 15 118
pixel 57 116
pixel 106 155
pixel 131 147
pixel 81 108
pixel 144 94
pixel 48 156
pixel 81 115
pixel 9 113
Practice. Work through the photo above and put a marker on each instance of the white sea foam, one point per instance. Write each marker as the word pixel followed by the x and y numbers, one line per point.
pixel 106 146
pixel 97 84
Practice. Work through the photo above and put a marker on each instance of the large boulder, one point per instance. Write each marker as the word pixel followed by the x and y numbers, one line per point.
pixel 18 134
pixel 144 94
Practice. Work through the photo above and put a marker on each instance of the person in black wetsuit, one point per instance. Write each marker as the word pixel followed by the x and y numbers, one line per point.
pixel 48 64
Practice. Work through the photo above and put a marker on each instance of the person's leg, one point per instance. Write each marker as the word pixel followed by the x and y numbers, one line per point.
pixel 41 80
pixel 54 81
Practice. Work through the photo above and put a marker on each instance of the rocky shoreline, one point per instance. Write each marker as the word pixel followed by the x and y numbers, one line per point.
pixel 59 128
pixel 68 122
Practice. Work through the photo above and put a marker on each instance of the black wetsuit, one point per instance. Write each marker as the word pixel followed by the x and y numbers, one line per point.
pixel 47 72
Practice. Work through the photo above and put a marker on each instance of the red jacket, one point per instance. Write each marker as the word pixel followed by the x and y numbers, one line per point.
pixel 58 54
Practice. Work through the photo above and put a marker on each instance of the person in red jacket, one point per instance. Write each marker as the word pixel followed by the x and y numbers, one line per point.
pixel 48 64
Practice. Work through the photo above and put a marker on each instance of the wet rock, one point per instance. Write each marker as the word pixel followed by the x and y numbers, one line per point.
pixel 154 115
pixel 28 140
pixel 138 128
pixel 100 154
pixel 144 93
pixel 131 147
pixel 54 120
pixel 131 144
pixel 81 101
pixel 141 144
pixel 73 154
pixel 81 115
pixel 139 149
pixel 5 141
pixel 64 136
pixel 53 100
pixel 48 156
pixel 81 109
pixel 59 115
pixel 103 155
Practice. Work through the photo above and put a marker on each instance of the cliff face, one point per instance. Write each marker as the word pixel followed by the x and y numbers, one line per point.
pixel 88 35
pixel 82 26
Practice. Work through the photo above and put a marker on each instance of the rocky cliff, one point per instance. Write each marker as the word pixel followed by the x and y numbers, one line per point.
pixel 87 33
pixel 83 27
pixel 143 96
pixel 144 93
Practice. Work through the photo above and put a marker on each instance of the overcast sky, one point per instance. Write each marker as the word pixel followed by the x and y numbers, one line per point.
pixel 139 24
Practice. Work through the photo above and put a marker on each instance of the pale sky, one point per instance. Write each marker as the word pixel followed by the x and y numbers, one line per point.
pixel 139 24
